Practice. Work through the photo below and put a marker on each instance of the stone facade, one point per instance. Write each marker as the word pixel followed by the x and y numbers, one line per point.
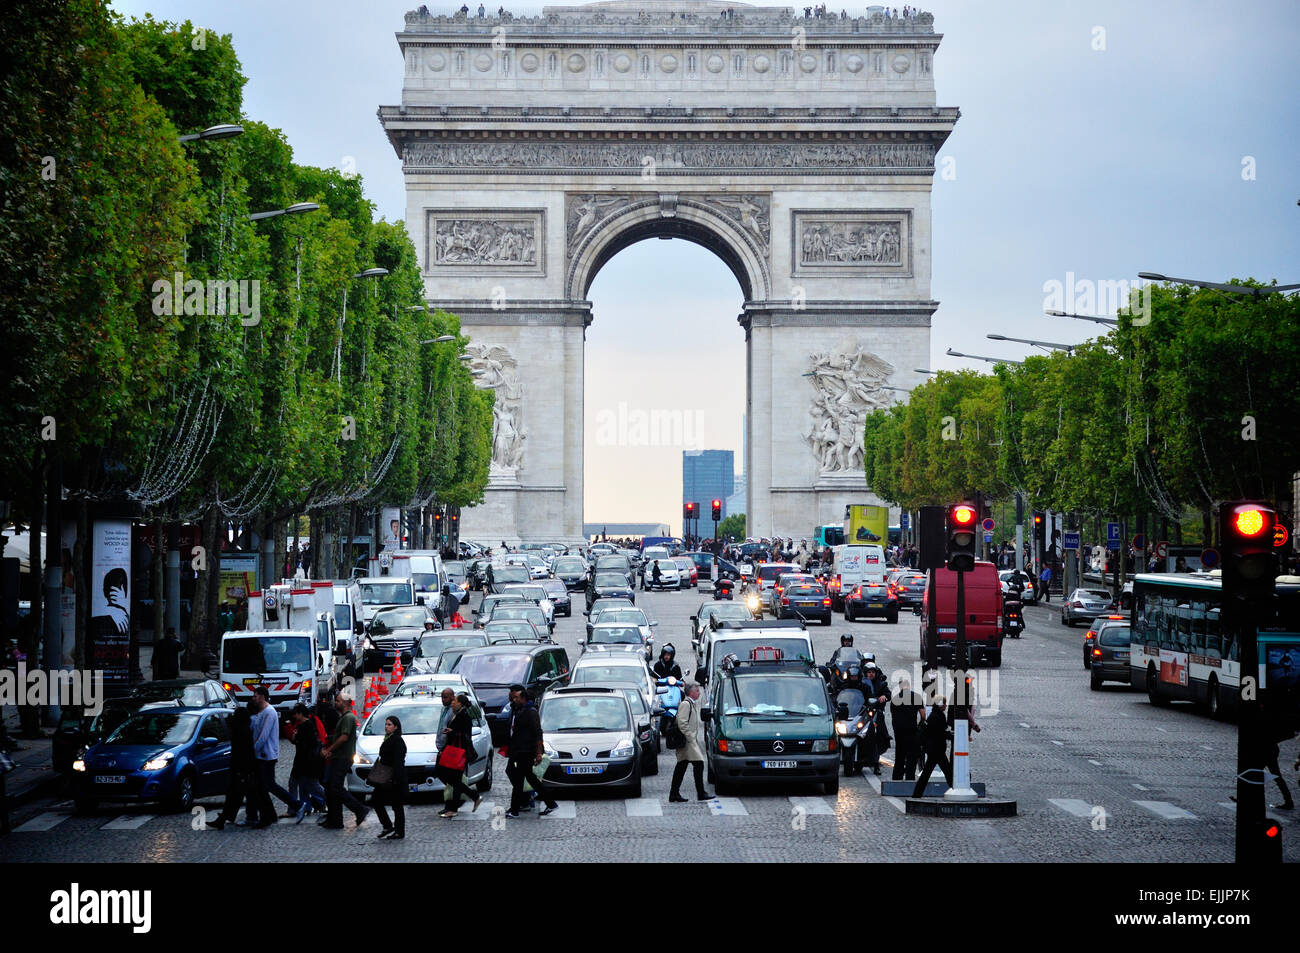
pixel 800 150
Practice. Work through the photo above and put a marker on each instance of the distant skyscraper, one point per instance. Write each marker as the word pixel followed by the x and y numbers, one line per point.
pixel 708 475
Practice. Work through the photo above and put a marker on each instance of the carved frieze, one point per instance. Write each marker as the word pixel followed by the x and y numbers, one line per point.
pixel 875 242
pixel 507 240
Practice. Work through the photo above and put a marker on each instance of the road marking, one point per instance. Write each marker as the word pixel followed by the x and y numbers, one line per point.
pixel 1228 805
pixel 1072 806
pixel 1206 748
pixel 643 807
pixel 874 782
pixel 898 803
pixel 1061 743
pixel 1140 787
pixel 812 805
pixel 128 822
pixel 1097 763
pixel 1024 724
pixel 1170 812
pixel 42 822
pixel 1158 728
pixel 484 813
pixel 727 806
pixel 567 811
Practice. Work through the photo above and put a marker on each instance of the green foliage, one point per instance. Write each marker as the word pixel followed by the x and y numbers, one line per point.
pixel 733 527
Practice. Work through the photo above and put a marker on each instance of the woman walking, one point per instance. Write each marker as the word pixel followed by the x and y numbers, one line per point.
pixel 388 777
pixel 457 736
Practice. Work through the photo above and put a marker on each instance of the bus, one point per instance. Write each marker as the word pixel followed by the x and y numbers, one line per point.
pixel 825 537
pixel 1179 652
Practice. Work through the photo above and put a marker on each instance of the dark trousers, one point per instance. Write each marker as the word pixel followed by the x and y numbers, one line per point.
pixel 906 753
pixel 679 773
pixel 933 759
pixel 455 792
pixel 519 770
pixel 266 774
pixel 243 785
pixel 337 796
pixel 1273 752
pixel 387 794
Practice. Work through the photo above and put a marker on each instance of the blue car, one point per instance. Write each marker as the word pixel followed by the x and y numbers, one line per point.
pixel 169 755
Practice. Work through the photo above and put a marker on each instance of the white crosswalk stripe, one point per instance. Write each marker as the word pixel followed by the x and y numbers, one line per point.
pixel 643 807
pixel 565 811
pixel 812 805
pixel 727 806
pixel 1170 812
pixel 128 822
pixel 484 813
pixel 898 803
pixel 1072 806
pixel 42 822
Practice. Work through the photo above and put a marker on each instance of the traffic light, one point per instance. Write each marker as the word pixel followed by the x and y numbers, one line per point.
pixel 717 509
pixel 1247 531
pixel 688 511
pixel 1040 530
pixel 437 525
pixel 962 519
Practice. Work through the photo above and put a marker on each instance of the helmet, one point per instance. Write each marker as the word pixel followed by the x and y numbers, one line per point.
pixel 871 666
pixel 846 640
pixel 669 650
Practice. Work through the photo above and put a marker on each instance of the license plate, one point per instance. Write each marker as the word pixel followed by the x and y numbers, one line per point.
pixel 584 769
pixel 111 779
pixel 780 764
pixel 946 631
pixel 875 605
pixel 808 605
pixel 1122 656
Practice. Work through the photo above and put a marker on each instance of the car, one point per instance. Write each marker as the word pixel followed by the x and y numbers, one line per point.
pixel 1085 604
pixel 725 637
pixel 514 630
pixel 592 740
pixel 616 667
pixel 383 591
pixel 170 755
pixel 686 571
pixel 872 598
pixel 717 609
pixel 458 578
pixel 769 720
pixel 476 573
pixel 615 562
pixel 572 571
pixel 524 610
pixel 490 602
pixel 647 725
pixel 617 637
pixel 164 693
pixel 501 576
pixel 627 615
pixel 786 579
pixel 1090 637
pixel 1110 653
pixel 391 632
pixel 670 574
pixel 558 593
pixel 909 587
pixel 769 573
pixel 537 594
pixel 422 714
pixel 537 567
pixel 492 670
pixel 609 585
pixel 806 601
pixel 1015 579
pixel 429 647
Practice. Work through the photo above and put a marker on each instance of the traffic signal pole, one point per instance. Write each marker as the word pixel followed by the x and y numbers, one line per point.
pixel 962 521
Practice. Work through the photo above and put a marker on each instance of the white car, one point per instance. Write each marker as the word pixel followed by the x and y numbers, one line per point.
pixel 605 668
pixel 623 615
pixel 669 573
pixel 539 596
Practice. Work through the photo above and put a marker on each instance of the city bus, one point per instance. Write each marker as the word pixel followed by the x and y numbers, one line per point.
pixel 826 537
pixel 1179 652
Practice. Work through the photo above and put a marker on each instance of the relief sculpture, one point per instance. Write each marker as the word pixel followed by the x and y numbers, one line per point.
pixel 848 385
pixel 494 368
pixel 845 242
pixel 480 242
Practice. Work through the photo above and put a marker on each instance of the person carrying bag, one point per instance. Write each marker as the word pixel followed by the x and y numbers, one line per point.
pixel 455 756
pixel 388 778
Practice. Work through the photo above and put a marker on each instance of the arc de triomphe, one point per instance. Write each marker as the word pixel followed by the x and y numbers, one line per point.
pixel 800 150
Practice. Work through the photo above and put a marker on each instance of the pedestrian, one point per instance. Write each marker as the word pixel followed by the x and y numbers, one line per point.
pixel 907 712
pixel 935 739
pixel 524 752
pixel 689 752
pixel 457 736
pixel 1279 730
pixel 266 754
pixel 339 752
pixel 242 786
pixel 388 778
pixel 1045 579
pixel 166 661
pixel 308 766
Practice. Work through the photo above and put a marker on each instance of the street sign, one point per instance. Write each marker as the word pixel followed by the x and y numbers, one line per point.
pixel 1209 558
pixel 1112 536
pixel 988 525
pixel 903 521
pixel 988 537
pixel 1162 549
pixel 1139 541
pixel 1070 540
pixel 1280 535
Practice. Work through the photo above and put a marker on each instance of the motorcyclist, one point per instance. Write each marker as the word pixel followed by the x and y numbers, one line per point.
pixel 876 687
pixel 844 653
pixel 667 664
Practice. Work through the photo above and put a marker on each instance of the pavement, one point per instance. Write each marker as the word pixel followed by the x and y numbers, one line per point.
pixel 1099 776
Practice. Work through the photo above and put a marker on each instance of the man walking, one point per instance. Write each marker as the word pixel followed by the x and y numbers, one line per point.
pixel 936 748
pixel 690 753
pixel 304 776
pixel 339 753
pixel 167 656
pixel 266 752
pixel 524 753
pixel 1045 577
pixel 907 711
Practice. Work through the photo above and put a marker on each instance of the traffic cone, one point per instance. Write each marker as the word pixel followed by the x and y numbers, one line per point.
pixel 381 688
pixel 395 678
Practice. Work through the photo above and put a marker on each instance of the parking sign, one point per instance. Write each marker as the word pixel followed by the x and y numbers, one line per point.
pixel 1112 536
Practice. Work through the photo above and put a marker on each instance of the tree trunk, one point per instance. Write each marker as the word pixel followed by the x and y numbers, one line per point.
pixel 29 716
pixel 159 579
pixel 212 542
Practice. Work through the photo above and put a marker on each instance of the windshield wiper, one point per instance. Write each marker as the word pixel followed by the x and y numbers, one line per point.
pixel 588 728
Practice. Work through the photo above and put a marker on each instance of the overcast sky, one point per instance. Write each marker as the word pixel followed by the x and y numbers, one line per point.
pixel 1102 163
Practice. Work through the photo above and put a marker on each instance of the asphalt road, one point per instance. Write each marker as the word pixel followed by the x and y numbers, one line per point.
pixel 1098 776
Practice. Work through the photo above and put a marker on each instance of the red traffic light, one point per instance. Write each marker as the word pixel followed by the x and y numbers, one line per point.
pixel 454 517
pixel 717 503
pixel 1249 521
pixel 1272 831
pixel 963 515
pixel 1038 520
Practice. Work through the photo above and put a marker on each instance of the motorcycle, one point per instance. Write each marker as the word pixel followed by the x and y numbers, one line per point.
pixel 722 589
pixel 1015 619
pixel 672 691
pixel 857 724
pixel 754 602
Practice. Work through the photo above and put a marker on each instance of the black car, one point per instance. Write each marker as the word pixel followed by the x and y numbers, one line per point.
pixel 572 571
pixel 910 588
pixel 871 599
pixel 609 585
pixel 804 601
pixel 493 669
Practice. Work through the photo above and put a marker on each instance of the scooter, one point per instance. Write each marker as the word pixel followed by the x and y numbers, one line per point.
pixel 1015 619
pixel 722 589
pixel 671 692
pixel 856 724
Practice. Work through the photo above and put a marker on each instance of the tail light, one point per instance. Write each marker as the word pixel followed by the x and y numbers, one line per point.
pixel 836 582
pixel 826 602
pixel 785 601
pixel 1076 605
pixel 1096 653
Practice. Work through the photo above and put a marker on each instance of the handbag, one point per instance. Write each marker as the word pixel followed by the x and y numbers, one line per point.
pixel 453 757
pixel 380 774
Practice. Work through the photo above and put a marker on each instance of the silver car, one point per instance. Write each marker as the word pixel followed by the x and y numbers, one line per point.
pixel 417 704
pixel 617 637
pixel 1084 605
pixel 592 740
pixel 603 668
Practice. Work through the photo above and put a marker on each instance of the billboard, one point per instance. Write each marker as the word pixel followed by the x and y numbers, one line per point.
pixel 110 602
pixel 391 527
pixel 866 524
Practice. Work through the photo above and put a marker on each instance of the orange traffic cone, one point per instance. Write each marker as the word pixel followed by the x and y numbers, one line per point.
pixel 395 678
pixel 381 688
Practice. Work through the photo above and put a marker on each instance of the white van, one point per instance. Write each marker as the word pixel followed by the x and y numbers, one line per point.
pixel 741 638
pixel 348 622
pixel 854 564
pixel 379 591
pixel 293 664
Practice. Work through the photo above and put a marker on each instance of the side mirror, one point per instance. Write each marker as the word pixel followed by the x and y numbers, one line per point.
pixel 825 672
pixel 706 714
pixel 359 628
pixel 693 619
pixel 653 624
pixel 419 600
pixel 208 742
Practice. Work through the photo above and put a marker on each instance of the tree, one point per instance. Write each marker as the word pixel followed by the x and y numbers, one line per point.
pixel 733 527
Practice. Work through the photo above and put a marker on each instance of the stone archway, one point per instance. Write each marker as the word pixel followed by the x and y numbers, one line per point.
pixel 799 150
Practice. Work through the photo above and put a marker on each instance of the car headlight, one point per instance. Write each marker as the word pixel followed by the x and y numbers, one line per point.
pixel 821 746
pixel 158 763
pixel 360 758
pixel 78 765
pixel 727 746
pixel 549 751
pixel 624 749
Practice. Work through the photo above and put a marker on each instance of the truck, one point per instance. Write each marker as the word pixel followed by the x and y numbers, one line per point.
pixel 866 524
pixel 983 605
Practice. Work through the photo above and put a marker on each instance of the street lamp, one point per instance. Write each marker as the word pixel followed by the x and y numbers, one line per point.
pixel 466 357
pixel 1047 345
pixel 338 348
pixel 1218 286
pixel 1095 318
pixel 976 357
pixel 297 209
pixel 440 339
pixel 225 130
pixel 925 370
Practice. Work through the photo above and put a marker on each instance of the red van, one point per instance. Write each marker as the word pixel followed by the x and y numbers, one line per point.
pixel 983 616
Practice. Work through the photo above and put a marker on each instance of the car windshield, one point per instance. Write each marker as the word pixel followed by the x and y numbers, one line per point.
pixel 635 699
pixel 626 616
pixel 423 719
pixel 454 568
pixel 570 564
pixel 530 612
pixel 343 617
pixel 554 587
pixel 782 695
pixel 431 646
pixel 163 728
pixel 504 574
pixel 603 713
pixel 771 572
pixel 516 629
pixel 1114 636
pixel 533 593
pixel 586 674
pixel 1099 595
pixel 492 668
pixel 267 653
pixel 734 611
pixel 187 695
pixel 386 593
pixel 412 618
pixel 615 635
pixel 611 580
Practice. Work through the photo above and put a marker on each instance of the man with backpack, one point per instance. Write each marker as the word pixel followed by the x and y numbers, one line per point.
pixel 683 736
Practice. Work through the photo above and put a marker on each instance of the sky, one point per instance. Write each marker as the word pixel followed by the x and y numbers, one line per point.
pixel 1097 140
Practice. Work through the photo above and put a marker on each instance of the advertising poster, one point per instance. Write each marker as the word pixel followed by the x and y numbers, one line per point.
pixel 392 527
pixel 1173 667
pixel 110 602
pixel 238 576
pixel 866 524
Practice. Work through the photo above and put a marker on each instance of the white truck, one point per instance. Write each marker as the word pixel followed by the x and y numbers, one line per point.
pixel 854 564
